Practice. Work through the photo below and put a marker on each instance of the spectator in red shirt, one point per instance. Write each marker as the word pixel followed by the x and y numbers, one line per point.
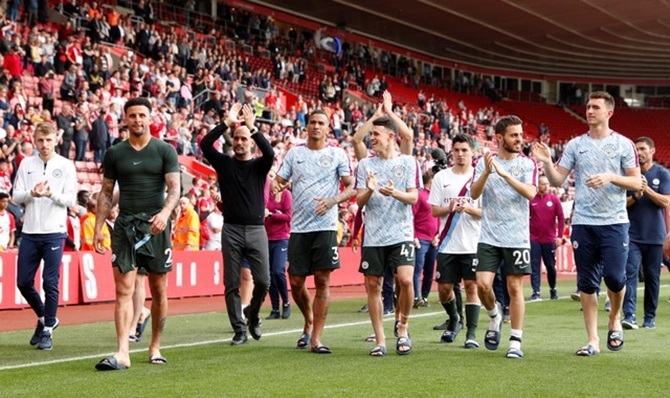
pixel 5 176
pixel 546 228
pixel 12 62
pixel 7 224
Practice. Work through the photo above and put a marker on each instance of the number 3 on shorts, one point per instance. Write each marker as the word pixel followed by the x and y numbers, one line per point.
pixel 336 254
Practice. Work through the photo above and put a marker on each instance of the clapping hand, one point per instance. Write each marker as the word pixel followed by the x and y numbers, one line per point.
pixel 541 152
pixel 379 112
pixel 645 185
pixel 249 116
pixel 371 182
pixel 387 101
pixel 499 169
pixel 488 161
pixel 41 189
pixel 388 190
pixel 461 207
pixel 233 118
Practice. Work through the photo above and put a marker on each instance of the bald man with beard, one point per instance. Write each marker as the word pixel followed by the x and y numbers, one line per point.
pixel 242 179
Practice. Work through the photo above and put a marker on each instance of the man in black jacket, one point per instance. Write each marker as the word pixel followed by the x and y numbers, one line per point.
pixel 242 178
pixel 99 138
pixel 65 122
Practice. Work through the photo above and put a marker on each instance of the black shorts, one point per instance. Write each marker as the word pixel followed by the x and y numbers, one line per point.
pixel 517 260
pixel 451 268
pixel 375 260
pixel 312 251
pixel 162 249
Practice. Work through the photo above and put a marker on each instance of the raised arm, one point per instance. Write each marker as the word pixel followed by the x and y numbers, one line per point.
pixel 207 143
pixel 555 174
pixel 360 150
pixel 479 184
pixel 260 140
pixel 406 134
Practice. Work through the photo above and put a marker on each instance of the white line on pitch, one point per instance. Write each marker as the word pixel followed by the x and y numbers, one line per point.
pixel 194 344
pixel 206 342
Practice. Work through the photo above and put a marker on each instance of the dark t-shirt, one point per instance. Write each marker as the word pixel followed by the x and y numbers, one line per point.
pixel 242 182
pixel 141 174
pixel 647 220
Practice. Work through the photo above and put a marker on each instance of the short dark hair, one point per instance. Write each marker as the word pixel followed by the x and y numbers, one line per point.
pixel 646 140
pixel 506 121
pixel 427 176
pixel 137 101
pixel 463 138
pixel 387 123
pixel 4 195
pixel 317 111
pixel 609 100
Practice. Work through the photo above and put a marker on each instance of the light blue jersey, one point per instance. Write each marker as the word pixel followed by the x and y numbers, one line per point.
pixel 314 174
pixel 505 212
pixel 388 221
pixel 588 156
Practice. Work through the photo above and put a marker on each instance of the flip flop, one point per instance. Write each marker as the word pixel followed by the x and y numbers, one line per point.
pixel 612 336
pixel 449 336
pixel 110 364
pixel 133 339
pixel 157 360
pixel 371 338
pixel 492 338
pixel 139 330
pixel 514 353
pixel 321 349
pixel 405 342
pixel 379 351
pixel 303 341
pixel 587 351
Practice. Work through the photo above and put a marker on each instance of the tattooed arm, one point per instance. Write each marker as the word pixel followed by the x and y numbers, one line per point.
pixel 103 209
pixel 159 221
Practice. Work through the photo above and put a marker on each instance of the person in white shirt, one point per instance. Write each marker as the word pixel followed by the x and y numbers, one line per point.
pixel 7 224
pixel 214 227
pixel 46 185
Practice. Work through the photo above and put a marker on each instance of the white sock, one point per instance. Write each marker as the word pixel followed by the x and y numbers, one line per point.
pixel 515 344
pixel 41 319
pixel 515 338
pixel 494 312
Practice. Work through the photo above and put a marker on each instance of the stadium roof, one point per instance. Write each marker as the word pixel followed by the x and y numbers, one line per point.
pixel 621 39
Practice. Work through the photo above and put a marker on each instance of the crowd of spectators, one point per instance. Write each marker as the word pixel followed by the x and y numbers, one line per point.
pixel 80 87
